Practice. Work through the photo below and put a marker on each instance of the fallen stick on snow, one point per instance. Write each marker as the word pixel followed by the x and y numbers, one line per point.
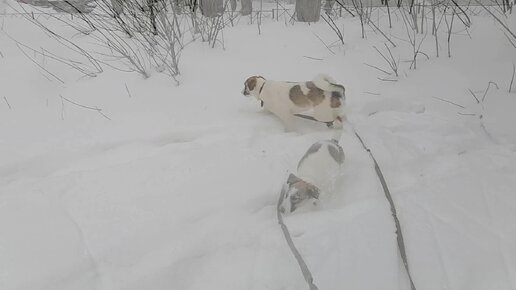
pixel 9 105
pixel 85 107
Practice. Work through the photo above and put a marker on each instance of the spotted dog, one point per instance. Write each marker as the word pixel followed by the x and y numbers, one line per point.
pixel 322 95
pixel 316 173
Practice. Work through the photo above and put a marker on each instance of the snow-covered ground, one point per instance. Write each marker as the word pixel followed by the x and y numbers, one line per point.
pixel 179 189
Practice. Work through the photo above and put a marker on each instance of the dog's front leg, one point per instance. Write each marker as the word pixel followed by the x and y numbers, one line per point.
pixel 289 122
pixel 265 110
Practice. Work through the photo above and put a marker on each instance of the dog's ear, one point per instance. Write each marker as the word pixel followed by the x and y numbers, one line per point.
pixel 250 83
pixel 292 179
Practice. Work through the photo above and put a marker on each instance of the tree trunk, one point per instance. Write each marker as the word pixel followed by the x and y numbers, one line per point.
pixel 247 7
pixel 308 10
pixel 211 8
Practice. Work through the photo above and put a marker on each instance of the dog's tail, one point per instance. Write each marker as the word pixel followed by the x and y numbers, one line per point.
pixel 327 83
pixel 338 96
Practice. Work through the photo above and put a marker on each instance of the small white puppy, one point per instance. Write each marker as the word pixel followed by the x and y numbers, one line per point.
pixel 285 99
pixel 317 172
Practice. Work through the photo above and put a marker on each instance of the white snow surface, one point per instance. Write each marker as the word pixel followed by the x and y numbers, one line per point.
pixel 179 189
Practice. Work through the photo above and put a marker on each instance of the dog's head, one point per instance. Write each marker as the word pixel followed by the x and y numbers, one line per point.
pixel 299 192
pixel 252 85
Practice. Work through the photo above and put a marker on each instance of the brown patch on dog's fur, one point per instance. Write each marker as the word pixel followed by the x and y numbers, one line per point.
pixel 310 85
pixel 314 97
pixel 251 83
pixel 297 97
pixel 335 101
pixel 315 94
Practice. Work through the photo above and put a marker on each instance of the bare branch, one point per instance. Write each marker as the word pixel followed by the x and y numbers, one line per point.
pixel 393 64
pixel 387 80
pixel 323 43
pixel 314 58
pixel 450 102
pixel 98 110
pixel 128 92
pixel 40 66
pixel 487 89
pixel 474 96
pixel 375 67
pixel 497 19
pixel 371 23
pixel 334 27
pixel 7 102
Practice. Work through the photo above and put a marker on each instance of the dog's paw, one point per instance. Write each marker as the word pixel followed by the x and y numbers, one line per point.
pixel 337 124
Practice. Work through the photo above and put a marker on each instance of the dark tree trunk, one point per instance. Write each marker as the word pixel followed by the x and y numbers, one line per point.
pixel 308 10
pixel 247 7
pixel 211 8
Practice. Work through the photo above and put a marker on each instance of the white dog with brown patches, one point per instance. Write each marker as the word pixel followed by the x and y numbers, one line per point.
pixel 287 99
pixel 317 173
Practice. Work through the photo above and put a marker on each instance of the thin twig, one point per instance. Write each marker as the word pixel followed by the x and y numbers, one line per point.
pixel 39 65
pixel 371 93
pixel 375 67
pixel 387 80
pixel 512 79
pixel 62 108
pixel 474 96
pixel 391 62
pixel 497 19
pixel 323 43
pixel 450 102
pixel 487 89
pixel 371 23
pixel 511 41
pixel 9 105
pixel 314 58
pixel 128 92
pixel 334 27
pixel 98 110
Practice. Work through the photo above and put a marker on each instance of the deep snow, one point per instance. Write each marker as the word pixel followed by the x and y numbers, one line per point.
pixel 178 190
